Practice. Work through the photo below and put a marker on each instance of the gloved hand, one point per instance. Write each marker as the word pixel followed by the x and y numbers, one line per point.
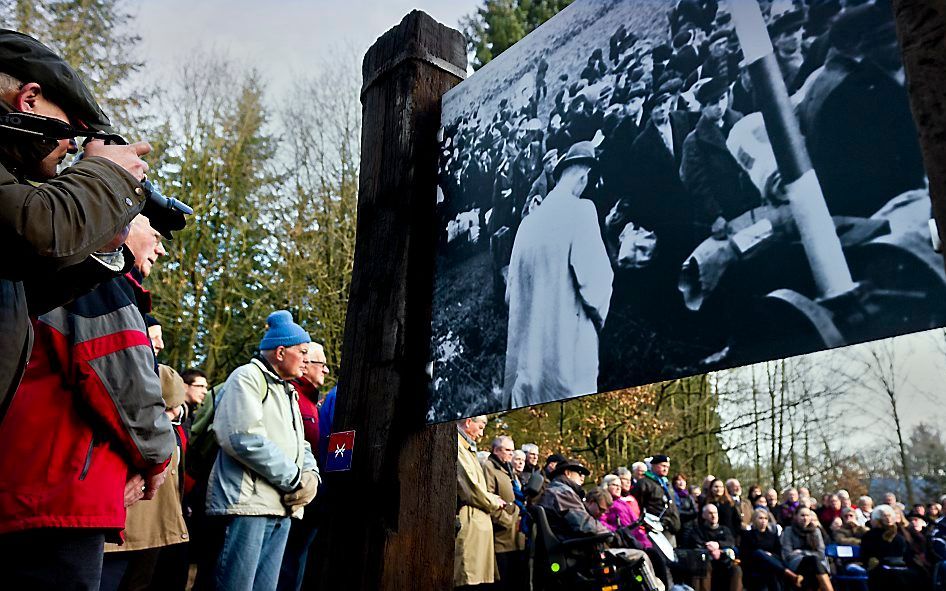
pixel 304 494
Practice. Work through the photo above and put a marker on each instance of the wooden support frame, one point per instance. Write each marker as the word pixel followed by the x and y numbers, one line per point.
pixel 921 28
pixel 390 525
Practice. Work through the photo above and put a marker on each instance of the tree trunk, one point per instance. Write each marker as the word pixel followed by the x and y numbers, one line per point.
pixel 391 526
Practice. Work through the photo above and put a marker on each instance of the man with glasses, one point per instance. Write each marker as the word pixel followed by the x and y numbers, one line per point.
pixel 302 533
pixel 265 472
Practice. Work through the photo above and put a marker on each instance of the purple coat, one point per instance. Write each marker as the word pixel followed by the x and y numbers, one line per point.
pixel 623 513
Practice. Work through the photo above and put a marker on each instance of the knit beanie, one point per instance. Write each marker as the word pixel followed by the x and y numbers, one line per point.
pixel 282 332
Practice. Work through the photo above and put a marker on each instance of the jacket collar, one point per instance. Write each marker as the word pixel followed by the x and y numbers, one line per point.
pixel 466 438
pixel 142 295
pixel 268 370
pixel 710 133
pixel 306 388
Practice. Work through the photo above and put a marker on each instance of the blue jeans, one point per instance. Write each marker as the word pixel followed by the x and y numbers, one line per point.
pixel 252 552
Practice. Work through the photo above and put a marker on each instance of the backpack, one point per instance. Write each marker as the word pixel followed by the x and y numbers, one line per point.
pixel 202 446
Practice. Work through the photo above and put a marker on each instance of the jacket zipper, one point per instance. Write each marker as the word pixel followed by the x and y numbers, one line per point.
pixel 88 460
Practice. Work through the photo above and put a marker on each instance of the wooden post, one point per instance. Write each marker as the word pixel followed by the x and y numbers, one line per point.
pixel 921 28
pixel 390 523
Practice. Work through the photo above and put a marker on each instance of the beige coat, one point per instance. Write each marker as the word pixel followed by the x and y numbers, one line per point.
pixel 158 522
pixel 475 557
pixel 506 534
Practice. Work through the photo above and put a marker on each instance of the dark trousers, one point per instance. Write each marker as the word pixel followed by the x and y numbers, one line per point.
pixel 763 571
pixel 513 571
pixel 301 535
pixel 143 570
pixel 67 559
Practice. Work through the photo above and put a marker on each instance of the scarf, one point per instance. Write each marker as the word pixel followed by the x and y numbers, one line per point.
pixel 810 534
pixel 664 484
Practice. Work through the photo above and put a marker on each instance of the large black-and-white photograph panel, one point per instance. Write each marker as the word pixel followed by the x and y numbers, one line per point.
pixel 645 190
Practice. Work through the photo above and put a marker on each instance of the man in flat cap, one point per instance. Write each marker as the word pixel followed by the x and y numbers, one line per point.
pixel 720 186
pixel 786 33
pixel 61 219
pixel 558 291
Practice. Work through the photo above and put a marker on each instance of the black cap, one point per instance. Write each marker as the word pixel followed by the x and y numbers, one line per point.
pixel 557 458
pixel 572 464
pixel 659 459
pixel 787 21
pixel 711 90
pixel 25 58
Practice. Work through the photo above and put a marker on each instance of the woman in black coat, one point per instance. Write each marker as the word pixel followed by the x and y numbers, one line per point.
pixel 761 554
pixel 728 515
pixel 685 503
pixel 886 553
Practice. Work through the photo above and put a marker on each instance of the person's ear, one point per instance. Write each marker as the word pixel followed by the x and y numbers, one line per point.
pixel 26 98
pixel 280 353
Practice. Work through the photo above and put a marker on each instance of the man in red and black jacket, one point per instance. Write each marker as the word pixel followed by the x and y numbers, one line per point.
pixel 85 436
pixel 302 532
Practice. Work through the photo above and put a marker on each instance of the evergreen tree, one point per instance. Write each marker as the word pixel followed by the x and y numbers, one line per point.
pixel 498 24
pixel 97 39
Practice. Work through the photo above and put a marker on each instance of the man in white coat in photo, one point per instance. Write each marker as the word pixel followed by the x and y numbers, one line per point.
pixel 558 291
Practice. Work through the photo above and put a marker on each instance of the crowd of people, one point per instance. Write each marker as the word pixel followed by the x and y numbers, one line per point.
pixel 617 170
pixel 725 537
pixel 119 473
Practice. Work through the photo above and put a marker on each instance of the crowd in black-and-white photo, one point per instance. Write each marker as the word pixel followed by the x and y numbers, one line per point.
pixel 610 198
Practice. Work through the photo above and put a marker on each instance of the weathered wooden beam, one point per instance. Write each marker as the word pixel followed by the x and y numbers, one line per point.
pixel 921 27
pixel 391 518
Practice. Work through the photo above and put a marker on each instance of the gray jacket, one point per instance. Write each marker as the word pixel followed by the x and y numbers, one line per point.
pixel 263 451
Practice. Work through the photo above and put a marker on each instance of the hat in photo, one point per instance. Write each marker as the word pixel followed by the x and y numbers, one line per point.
pixel 667 89
pixel 23 57
pixel 662 53
pixel 682 38
pixel 637 91
pixel 719 35
pixel 579 153
pixel 786 22
pixel 572 464
pixel 550 156
pixel 283 332
pixel 711 90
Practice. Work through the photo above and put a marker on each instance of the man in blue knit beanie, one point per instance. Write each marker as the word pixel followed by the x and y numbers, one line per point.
pixel 265 472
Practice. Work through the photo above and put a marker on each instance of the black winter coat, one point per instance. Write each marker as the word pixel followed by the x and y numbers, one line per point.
pixel 720 186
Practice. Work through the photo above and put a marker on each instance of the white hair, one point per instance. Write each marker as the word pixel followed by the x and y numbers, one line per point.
pixel 637 465
pixel 519 454
pixel 879 511
pixel 530 448
pixel 609 479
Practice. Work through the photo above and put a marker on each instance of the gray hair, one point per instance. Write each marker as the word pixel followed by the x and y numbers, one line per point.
pixel 530 448
pixel 609 479
pixel 843 494
pixel 519 454
pixel 865 499
pixel 9 84
pixel 623 471
pixel 499 441
pixel 637 465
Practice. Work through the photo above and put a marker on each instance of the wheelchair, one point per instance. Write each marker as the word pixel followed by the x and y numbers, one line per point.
pixel 579 564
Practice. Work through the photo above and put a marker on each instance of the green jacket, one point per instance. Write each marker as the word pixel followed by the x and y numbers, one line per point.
pixel 46 232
